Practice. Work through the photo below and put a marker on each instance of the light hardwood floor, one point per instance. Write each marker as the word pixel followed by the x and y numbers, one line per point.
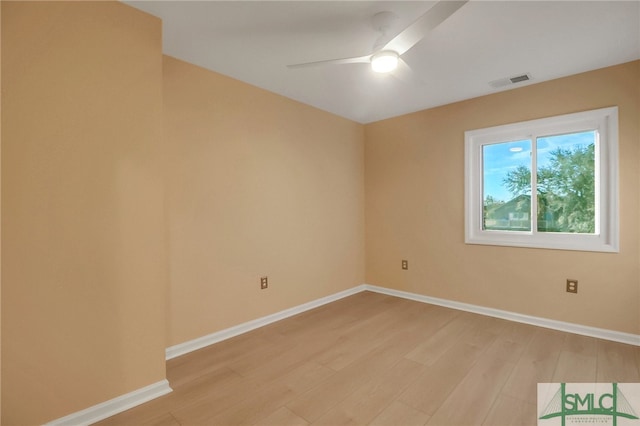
pixel 380 360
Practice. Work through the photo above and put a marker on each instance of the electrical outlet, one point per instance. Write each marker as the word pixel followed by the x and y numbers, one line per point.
pixel 572 286
pixel 405 264
pixel 264 283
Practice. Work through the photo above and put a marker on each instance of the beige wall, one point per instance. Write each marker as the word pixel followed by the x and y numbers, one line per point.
pixel 257 185
pixel 415 209
pixel 84 275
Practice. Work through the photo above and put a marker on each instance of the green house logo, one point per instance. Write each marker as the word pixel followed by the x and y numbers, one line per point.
pixel 580 403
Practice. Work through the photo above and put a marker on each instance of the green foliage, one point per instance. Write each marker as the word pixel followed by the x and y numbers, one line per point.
pixel 565 190
pixel 491 201
pixel 518 181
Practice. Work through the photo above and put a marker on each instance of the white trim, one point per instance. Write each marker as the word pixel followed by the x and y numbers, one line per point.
pixel 600 333
pixel 606 236
pixel 201 342
pixel 113 406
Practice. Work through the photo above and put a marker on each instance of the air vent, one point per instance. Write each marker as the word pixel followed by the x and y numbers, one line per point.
pixel 519 78
pixel 510 80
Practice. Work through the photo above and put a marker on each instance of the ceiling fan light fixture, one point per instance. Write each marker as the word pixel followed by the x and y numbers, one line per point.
pixel 385 61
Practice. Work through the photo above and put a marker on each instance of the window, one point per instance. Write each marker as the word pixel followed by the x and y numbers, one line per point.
pixel 569 202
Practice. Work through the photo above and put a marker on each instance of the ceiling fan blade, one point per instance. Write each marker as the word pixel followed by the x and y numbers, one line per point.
pixel 405 74
pixel 427 22
pixel 354 60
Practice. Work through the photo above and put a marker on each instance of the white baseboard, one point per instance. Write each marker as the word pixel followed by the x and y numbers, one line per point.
pixel 201 342
pixel 113 406
pixel 600 333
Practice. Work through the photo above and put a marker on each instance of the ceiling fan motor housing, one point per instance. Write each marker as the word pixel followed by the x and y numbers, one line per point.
pixel 382 22
pixel 384 61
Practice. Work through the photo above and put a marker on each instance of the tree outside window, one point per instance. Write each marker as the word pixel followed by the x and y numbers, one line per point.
pixel 570 201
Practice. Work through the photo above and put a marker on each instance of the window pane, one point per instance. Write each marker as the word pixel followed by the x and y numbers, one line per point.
pixel 506 186
pixel 566 183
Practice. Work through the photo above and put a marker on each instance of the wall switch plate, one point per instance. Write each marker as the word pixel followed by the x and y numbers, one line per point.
pixel 264 283
pixel 572 286
pixel 405 264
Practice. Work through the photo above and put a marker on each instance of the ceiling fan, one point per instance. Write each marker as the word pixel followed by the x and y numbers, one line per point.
pixel 387 57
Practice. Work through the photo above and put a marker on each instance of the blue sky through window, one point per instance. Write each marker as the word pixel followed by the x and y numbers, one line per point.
pixel 498 160
pixel 501 158
pixel 570 141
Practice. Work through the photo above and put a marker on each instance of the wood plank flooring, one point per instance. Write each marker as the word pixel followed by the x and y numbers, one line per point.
pixel 372 359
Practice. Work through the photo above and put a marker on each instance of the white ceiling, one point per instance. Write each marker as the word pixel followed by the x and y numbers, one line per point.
pixel 254 41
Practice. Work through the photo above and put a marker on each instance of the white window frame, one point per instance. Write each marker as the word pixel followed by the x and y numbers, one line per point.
pixel 606 236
